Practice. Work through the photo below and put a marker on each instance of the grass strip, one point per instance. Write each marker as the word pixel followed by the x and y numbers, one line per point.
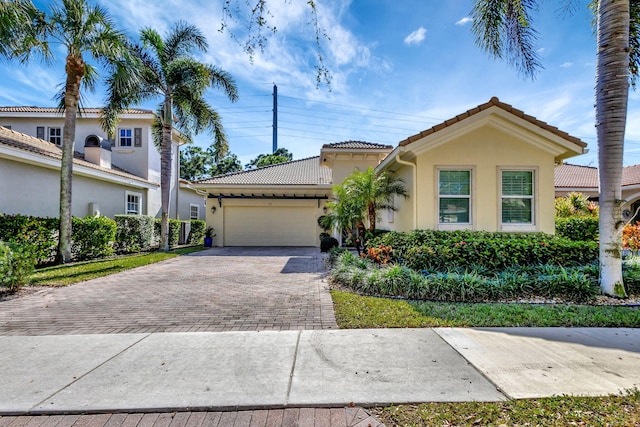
pixel 356 311
pixel 614 410
pixel 68 274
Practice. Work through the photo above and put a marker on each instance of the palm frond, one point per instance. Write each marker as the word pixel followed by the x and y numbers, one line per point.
pixel 503 29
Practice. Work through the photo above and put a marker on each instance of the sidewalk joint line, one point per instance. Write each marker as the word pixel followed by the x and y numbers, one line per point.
pixel 88 372
pixel 293 368
pixel 485 376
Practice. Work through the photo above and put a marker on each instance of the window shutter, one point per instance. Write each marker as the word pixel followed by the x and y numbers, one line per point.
pixel 137 137
pixel 40 132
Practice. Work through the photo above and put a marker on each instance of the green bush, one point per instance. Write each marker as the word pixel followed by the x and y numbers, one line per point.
pixel 134 233
pixel 577 284
pixel 174 231
pixel 431 250
pixel 326 243
pixel 41 233
pixel 17 262
pixel 196 235
pixel 92 237
pixel 578 228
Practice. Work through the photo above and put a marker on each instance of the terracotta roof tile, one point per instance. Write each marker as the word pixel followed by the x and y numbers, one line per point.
pixel 631 175
pixel 297 172
pixel 47 149
pixel 349 145
pixel 493 102
pixel 575 176
pixel 25 109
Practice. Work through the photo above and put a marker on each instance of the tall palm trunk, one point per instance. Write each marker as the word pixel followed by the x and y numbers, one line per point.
pixel 612 92
pixel 165 172
pixel 75 71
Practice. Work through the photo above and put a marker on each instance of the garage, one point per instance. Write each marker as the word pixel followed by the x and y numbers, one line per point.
pixel 271 225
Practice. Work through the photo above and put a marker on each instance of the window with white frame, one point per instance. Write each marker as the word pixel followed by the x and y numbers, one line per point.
pixel 133 202
pixel 517 197
pixel 454 196
pixel 125 138
pixel 55 135
pixel 194 211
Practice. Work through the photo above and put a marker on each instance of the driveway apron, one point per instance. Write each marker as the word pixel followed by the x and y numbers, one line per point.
pixel 220 289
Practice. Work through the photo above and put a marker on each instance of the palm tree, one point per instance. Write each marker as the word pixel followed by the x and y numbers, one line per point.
pixel 166 69
pixel 374 192
pixel 84 30
pixel 503 28
pixel 361 195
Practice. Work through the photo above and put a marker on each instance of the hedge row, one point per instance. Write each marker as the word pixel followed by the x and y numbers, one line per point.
pixel 577 284
pixel 578 228
pixel 431 250
pixel 92 237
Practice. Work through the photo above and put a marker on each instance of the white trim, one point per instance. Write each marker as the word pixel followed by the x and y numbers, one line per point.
pixel 128 193
pixel 471 197
pixel 535 197
pixel 191 206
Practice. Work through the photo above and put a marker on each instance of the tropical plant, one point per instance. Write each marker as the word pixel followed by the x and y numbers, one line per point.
pixel 166 69
pixel 344 213
pixel 281 155
pixel 575 204
pixel 503 29
pixel 84 31
pixel 373 192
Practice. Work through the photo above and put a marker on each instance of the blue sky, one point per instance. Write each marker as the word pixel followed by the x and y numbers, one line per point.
pixel 398 67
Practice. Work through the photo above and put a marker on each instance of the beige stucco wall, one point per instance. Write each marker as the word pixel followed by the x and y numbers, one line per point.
pixel 344 164
pixel 31 190
pixel 485 151
pixel 216 219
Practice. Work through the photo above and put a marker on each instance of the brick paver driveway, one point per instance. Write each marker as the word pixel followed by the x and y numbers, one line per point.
pixel 220 289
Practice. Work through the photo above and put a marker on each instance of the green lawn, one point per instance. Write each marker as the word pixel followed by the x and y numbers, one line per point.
pixel 68 274
pixel 620 410
pixel 355 311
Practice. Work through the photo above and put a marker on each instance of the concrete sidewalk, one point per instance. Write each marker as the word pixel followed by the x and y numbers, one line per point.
pixel 330 368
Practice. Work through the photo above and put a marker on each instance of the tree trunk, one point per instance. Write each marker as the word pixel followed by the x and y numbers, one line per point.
pixel 75 70
pixel 612 92
pixel 372 217
pixel 165 172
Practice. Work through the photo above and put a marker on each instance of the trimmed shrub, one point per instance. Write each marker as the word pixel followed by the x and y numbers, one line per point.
pixel 579 284
pixel 17 262
pixel 41 233
pixel 134 233
pixel 432 250
pixel 578 228
pixel 196 235
pixel 327 243
pixel 174 231
pixel 92 237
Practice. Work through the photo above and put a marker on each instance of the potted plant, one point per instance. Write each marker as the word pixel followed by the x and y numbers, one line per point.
pixel 208 237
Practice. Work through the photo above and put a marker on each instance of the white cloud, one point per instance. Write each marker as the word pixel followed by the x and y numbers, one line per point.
pixel 464 21
pixel 566 64
pixel 415 37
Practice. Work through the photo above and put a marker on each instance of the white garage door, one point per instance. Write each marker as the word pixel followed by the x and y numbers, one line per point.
pixel 270 226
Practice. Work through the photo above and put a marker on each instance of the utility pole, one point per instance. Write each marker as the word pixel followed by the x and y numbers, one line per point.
pixel 275 118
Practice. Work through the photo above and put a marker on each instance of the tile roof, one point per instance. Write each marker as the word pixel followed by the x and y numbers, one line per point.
pixel 359 145
pixel 631 175
pixel 575 176
pixel 26 109
pixel 297 172
pixel 493 102
pixel 47 149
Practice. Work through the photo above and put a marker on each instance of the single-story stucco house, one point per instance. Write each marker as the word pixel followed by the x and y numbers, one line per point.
pixel 584 179
pixel 489 168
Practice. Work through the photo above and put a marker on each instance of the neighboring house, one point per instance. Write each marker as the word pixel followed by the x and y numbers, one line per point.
pixel 489 168
pixel 584 179
pixel 121 176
